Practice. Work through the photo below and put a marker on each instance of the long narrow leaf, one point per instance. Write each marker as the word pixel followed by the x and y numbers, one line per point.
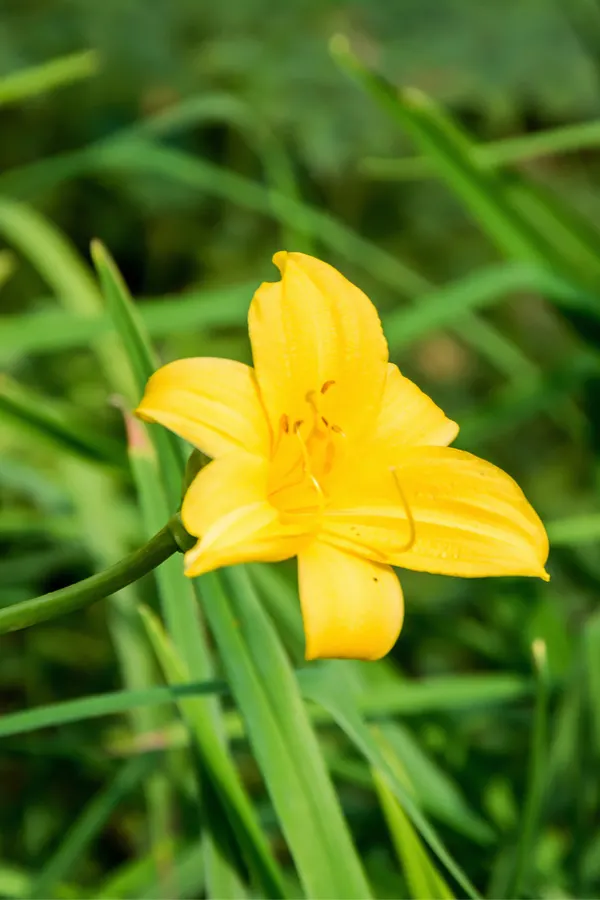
pixel 288 756
pixel 217 762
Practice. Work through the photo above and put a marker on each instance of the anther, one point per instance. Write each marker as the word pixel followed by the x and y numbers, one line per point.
pixel 337 430
pixel 324 421
pixel 297 425
pixel 326 385
pixel 284 424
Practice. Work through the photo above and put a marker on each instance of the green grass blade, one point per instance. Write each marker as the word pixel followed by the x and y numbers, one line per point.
pixel 100 705
pixel 143 362
pixel 130 155
pixel 137 878
pixel 522 221
pixel 126 155
pixel 424 881
pixel 53 330
pixel 199 175
pixel 176 591
pixel 88 826
pixel 50 422
pixel 486 287
pixel 448 149
pixel 217 762
pixel 321 691
pixel 434 695
pixel 438 794
pixel 591 644
pixel 287 754
pixel 536 779
pixel 222 876
pixel 59 72
pixel 124 316
pixel 574 530
pixel 58 263
pixel 551 142
pixel 177 599
pixel 575 242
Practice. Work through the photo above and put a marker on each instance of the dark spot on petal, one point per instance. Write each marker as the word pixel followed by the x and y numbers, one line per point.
pixel 375 579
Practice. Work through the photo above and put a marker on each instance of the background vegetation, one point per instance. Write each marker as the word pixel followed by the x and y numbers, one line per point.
pixel 195 140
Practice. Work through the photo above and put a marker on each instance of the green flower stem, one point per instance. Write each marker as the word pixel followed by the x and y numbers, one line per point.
pixel 173 538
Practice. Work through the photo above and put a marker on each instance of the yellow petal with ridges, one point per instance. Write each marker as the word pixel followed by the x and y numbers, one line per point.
pixel 226 507
pixel 318 347
pixel 409 418
pixel 212 403
pixel 470 518
pixel 352 608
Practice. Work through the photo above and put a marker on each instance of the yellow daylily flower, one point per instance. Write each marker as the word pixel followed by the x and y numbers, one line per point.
pixel 326 452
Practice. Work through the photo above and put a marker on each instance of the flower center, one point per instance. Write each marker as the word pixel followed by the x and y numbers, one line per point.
pixel 303 456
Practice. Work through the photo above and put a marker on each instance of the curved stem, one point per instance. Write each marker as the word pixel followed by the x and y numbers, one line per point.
pixel 169 540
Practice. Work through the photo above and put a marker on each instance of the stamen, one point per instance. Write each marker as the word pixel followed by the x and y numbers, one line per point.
pixel 284 424
pixel 411 521
pixel 297 425
pixel 337 430
pixel 326 385
pixel 308 472
pixel 324 421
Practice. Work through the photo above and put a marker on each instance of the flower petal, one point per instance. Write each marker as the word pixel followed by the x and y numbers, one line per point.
pixel 314 334
pixel 226 507
pixel 470 518
pixel 408 417
pixel 352 608
pixel 212 403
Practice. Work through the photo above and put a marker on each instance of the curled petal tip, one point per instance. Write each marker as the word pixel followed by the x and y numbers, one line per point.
pixel 280 259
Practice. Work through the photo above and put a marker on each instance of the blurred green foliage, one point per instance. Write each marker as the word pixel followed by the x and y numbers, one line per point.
pixel 194 141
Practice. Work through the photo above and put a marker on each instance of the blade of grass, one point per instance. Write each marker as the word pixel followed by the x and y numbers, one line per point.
pixel 87 827
pixel 52 423
pixel 424 881
pixel 433 695
pixel 278 167
pixel 574 530
pixel 536 779
pixel 575 242
pixel 218 763
pixel 438 795
pixel 551 142
pixel 137 878
pixel 200 175
pixel 445 306
pixel 96 706
pixel 321 690
pixel 177 592
pixel 516 215
pixel 58 263
pixel 283 743
pixel 143 362
pixel 127 155
pixel 64 70
pixel 53 330
pixel 592 652
pixel 119 155
pixel 479 188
